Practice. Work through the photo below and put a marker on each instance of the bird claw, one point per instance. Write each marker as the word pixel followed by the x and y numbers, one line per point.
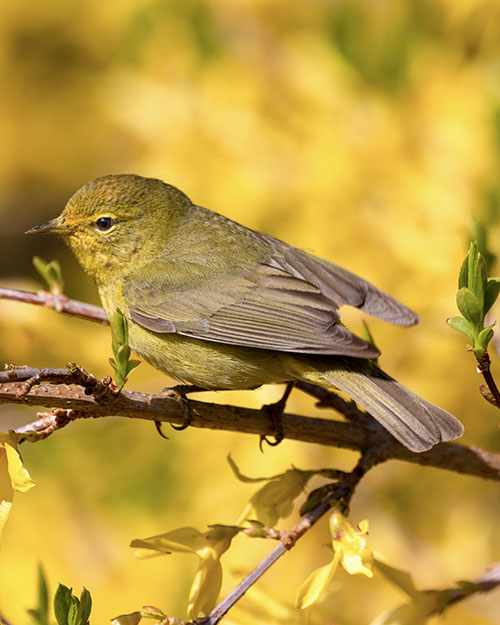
pixel 158 425
pixel 186 411
pixel 264 439
pixel 179 392
pixel 275 412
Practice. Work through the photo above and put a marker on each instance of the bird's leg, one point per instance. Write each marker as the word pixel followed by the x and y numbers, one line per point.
pixel 179 392
pixel 275 412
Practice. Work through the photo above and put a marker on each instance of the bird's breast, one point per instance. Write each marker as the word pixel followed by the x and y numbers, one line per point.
pixel 207 364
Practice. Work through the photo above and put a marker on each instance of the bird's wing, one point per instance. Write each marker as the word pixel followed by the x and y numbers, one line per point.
pixel 274 305
pixel 340 286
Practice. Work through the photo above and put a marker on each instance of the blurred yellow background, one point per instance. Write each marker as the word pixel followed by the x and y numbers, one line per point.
pixel 366 131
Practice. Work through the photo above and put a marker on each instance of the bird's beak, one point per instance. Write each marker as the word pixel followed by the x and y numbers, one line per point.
pixel 54 226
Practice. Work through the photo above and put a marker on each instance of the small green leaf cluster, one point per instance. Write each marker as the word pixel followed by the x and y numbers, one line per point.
pixel 476 295
pixel 121 363
pixel 51 273
pixel 68 609
pixel 71 610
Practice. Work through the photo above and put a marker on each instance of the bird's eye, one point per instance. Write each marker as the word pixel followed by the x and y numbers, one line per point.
pixel 103 224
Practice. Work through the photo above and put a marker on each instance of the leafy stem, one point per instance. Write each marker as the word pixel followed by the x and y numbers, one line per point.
pixel 51 273
pixel 475 296
pixel 121 363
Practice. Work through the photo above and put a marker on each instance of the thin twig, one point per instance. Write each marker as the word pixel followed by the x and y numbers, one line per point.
pixel 59 303
pixel 484 368
pixel 46 424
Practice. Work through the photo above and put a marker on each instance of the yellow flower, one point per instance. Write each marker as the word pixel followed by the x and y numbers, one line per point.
pixel 208 546
pixel 349 548
pixel 13 475
pixel 351 543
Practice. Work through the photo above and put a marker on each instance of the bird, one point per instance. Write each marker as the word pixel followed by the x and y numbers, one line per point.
pixel 214 304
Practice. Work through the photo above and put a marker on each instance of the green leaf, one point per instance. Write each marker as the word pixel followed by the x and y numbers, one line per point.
pixel 70 610
pixel 471 265
pixel 119 327
pixel 121 363
pixel 62 604
pixel 464 271
pixel 467 270
pixel 40 614
pixel 84 608
pixel 51 273
pixel 461 325
pixel 469 305
pixel 485 337
pixel 131 365
pixel 492 291
pixel 473 272
pixel 122 355
pixel 311 502
pixel 119 330
pixel 479 285
pixel 74 606
pixel 367 336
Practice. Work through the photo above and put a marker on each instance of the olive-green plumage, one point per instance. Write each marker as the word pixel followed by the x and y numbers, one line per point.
pixel 214 304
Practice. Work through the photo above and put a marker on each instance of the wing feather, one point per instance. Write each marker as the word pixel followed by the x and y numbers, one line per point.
pixel 341 286
pixel 287 301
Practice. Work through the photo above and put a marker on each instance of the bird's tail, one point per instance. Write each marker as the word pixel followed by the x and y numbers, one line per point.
pixel 415 422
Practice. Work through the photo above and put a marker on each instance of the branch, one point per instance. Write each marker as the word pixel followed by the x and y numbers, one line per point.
pixel 361 433
pixel 16 388
pixel 340 493
pixel 59 303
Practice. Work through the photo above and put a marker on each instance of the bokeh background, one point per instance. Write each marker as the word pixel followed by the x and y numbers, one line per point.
pixel 367 131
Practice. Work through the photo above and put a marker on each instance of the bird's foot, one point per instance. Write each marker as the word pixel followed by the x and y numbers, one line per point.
pixel 275 412
pixel 179 393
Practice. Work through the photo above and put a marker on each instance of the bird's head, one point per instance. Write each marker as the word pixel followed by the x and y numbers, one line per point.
pixel 111 219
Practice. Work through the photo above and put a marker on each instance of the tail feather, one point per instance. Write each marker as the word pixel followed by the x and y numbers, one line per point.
pixel 415 422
